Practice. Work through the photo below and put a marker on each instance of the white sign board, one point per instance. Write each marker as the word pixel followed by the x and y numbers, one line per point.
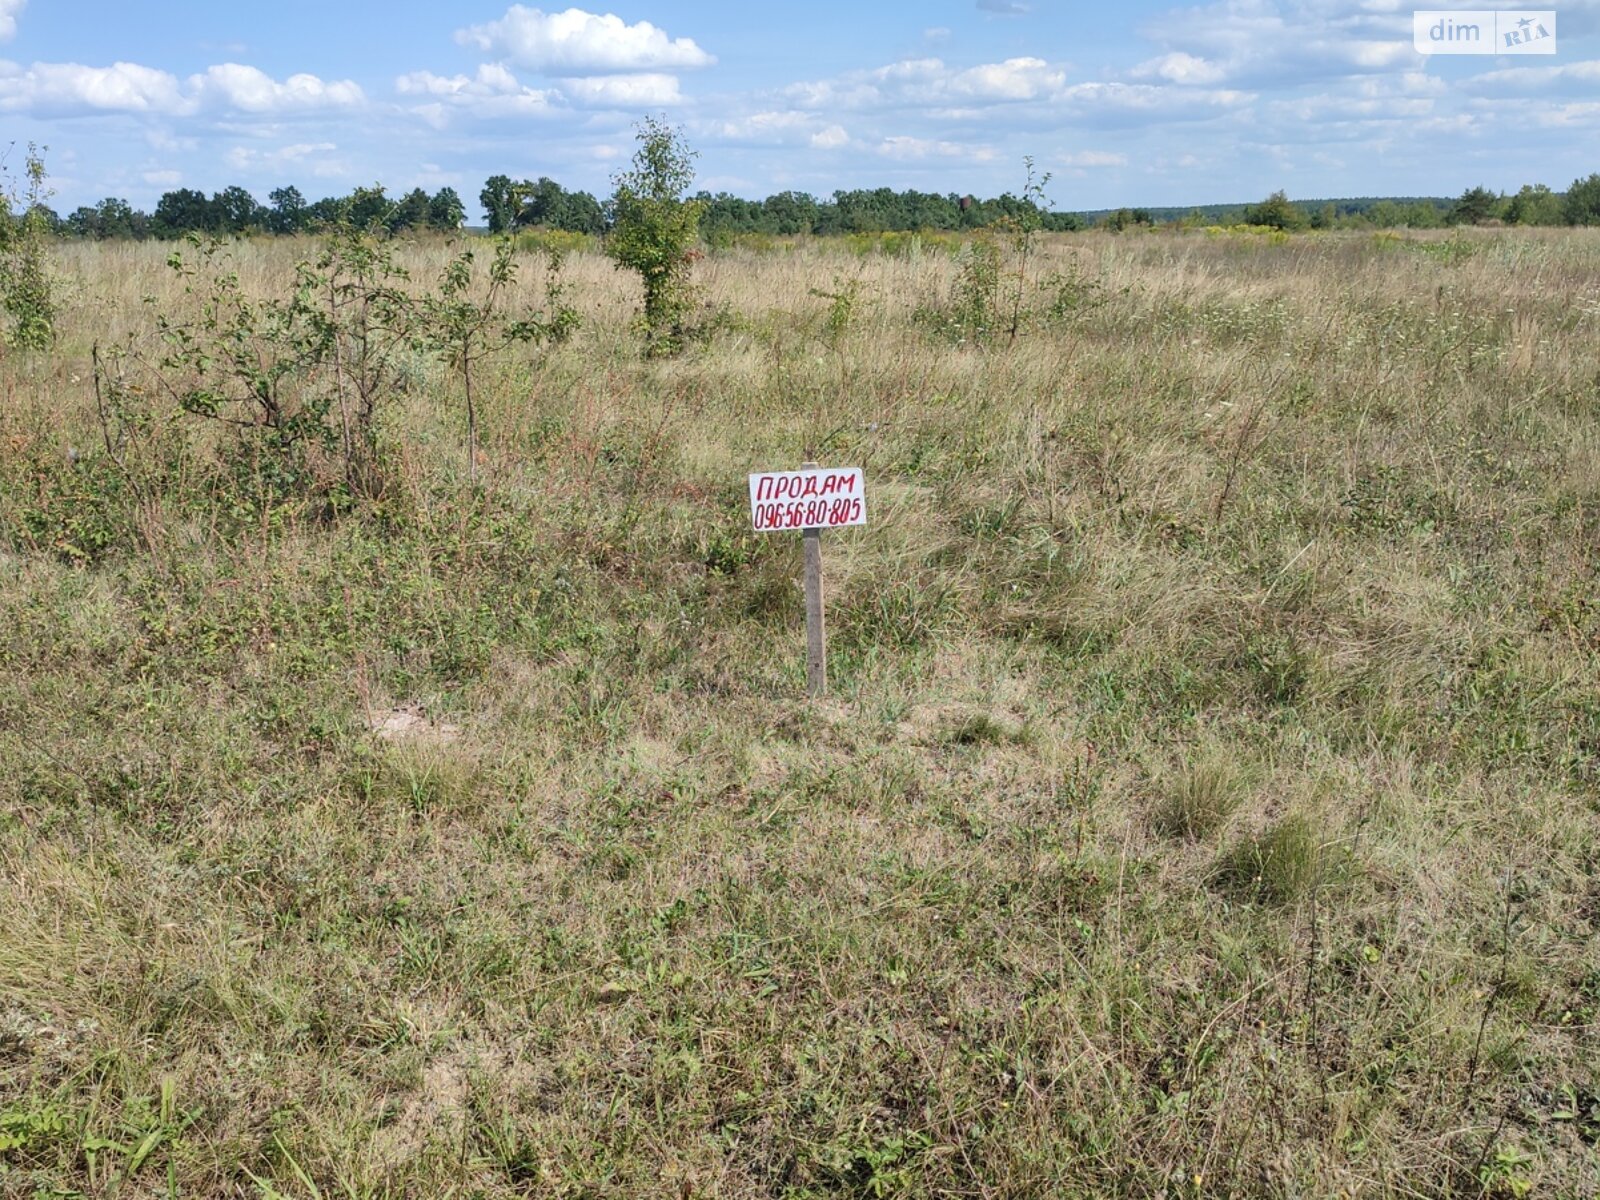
pixel 819 499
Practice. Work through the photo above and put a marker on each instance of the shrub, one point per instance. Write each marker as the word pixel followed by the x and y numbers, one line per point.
pixel 301 378
pixel 971 314
pixel 1276 211
pixel 842 302
pixel 26 291
pixel 305 381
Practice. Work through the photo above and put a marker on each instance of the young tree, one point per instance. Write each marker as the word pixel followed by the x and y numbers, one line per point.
pixel 1126 218
pixel 1020 226
pixel 464 327
pixel 1424 214
pixel 654 230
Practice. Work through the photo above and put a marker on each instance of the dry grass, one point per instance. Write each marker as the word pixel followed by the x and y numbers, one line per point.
pixel 1206 806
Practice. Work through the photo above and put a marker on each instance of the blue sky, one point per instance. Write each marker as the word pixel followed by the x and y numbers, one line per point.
pixel 1138 102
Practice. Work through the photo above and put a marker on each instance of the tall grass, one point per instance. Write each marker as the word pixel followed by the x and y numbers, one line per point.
pixel 1206 806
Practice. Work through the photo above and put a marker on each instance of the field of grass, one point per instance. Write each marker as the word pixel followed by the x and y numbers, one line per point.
pixel 1206 804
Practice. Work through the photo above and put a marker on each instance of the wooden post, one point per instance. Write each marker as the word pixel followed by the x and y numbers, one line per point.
pixel 816 629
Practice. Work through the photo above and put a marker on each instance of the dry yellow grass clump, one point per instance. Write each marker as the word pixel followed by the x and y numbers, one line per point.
pixel 1206 806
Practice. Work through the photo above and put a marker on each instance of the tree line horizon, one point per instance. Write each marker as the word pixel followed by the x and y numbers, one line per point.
pixel 512 205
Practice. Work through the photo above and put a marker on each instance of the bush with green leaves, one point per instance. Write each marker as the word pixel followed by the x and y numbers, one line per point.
pixel 842 304
pixel 306 380
pixel 303 378
pixel 1277 211
pixel 971 312
pixel 655 230
pixel 26 291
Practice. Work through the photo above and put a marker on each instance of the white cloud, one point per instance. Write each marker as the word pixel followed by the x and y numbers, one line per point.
pixel 1148 102
pixel 247 89
pixel 493 93
pixel 926 82
pixel 1094 158
pixel 71 89
pixel 1357 109
pixel 163 179
pixel 1280 41
pixel 576 41
pixel 8 18
pixel 1335 108
pixel 1179 67
pixel 623 91
pixel 763 127
pixel 830 138
pixel 294 153
pixel 1564 116
pixel 491 80
pixel 1014 79
pixel 913 148
pixel 1008 8
pixel 168 143
pixel 1528 79
pixel 850 92
pixel 315 157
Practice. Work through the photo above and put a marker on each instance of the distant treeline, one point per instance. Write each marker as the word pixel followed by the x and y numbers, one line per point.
pixel 531 204
pixel 236 210
pixel 543 203
pixel 1533 204
pixel 879 210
